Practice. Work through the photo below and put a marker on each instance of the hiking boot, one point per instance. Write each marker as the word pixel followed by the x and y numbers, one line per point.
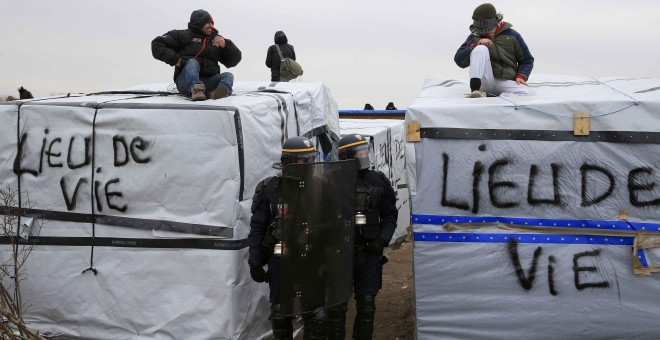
pixel 198 92
pixel 476 94
pixel 220 92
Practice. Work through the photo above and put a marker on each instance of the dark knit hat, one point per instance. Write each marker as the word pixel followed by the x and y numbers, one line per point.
pixel 484 11
pixel 485 19
pixel 199 18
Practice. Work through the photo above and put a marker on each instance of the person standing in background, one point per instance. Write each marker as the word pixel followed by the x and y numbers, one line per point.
pixel 390 106
pixel 273 57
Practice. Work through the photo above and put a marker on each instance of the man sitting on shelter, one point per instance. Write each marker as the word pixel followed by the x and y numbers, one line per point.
pixel 498 57
pixel 195 53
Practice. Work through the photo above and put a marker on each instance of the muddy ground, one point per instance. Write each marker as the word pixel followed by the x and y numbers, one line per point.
pixel 394 311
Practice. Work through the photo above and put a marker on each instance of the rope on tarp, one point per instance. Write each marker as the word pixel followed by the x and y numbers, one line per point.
pixel 635 101
pixel 517 106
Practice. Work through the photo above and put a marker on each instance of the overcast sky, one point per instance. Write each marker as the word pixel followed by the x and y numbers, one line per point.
pixel 372 51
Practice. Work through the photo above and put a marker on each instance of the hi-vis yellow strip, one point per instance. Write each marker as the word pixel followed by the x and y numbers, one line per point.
pixel 298 150
pixel 352 144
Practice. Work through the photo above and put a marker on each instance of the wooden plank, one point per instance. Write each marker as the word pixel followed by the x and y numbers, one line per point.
pixel 581 124
pixel 413 132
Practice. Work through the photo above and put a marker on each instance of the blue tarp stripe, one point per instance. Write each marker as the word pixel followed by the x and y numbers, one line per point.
pixel 372 112
pixel 522 238
pixel 642 257
pixel 590 224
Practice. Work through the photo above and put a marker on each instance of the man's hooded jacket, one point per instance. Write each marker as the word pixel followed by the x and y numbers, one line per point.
pixel 193 44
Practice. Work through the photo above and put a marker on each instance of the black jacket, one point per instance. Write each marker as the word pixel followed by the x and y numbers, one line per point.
pixel 273 58
pixel 384 202
pixel 265 208
pixel 186 44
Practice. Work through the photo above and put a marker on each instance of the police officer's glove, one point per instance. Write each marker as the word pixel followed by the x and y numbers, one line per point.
pixel 376 246
pixel 257 271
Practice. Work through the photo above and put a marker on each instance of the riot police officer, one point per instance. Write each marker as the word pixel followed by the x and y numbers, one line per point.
pixel 265 240
pixel 375 221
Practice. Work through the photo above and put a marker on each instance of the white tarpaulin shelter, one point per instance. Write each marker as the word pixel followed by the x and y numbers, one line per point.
pixel 531 221
pixel 145 199
pixel 387 139
pixel 318 109
pixel 319 121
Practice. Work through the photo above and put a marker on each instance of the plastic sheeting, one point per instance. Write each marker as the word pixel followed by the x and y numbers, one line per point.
pixel 145 201
pixel 314 99
pixel 387 140
pixel 524 230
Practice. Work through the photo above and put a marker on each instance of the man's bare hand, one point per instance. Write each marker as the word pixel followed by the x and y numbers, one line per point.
pixel 485 42
pixel 220 41
pixel 178 63
pixel 521 81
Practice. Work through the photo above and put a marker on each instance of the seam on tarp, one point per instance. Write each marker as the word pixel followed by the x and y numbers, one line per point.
pixel 649 90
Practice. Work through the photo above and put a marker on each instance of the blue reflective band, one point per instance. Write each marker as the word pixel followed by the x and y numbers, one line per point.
pixel 523 238
pixel 590 224
pixel 642 257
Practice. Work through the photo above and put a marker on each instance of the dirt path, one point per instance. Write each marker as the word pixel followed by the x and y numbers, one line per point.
pixel 394 312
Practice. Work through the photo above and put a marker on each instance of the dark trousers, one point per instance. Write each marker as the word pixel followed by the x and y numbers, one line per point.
pixel 367 273
pixel 274 276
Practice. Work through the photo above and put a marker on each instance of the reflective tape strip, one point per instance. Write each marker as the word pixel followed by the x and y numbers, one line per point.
pixel 531 222
pixel 522 238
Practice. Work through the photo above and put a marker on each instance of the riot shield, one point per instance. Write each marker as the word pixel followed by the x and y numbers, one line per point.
pixel 317 235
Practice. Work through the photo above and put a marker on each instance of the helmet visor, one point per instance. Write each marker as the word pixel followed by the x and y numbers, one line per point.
pixel 362 156
pixel 306 158
pixel 301 158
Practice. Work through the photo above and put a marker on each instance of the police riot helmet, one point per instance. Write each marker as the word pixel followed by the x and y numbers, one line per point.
pixel 298 150
pixel 355 146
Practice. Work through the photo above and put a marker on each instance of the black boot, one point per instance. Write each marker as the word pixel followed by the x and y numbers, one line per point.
pixel 337 322
pixel 316 325
pixel 282 327
pixel 363 327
